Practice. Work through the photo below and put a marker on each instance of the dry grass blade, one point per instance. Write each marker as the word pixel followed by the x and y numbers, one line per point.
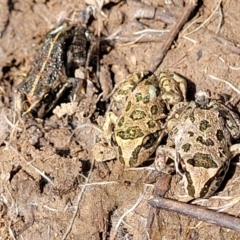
pixel 230 204
pixel 30 164
pixel 206 21
pixel 225 81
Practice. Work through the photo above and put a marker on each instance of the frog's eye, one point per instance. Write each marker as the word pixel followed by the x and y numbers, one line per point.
pixel 47 98
pixel 149 141
pixel 113 140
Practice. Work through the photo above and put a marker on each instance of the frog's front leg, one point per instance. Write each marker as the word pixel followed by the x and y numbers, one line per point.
pixel 103 150
pixel 182 83
pixel 78 86
pixel 108 126
pixel 164 160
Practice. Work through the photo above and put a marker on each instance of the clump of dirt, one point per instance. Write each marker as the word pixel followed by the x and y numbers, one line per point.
pixel 51 185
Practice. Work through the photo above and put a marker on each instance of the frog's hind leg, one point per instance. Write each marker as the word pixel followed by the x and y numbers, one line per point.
pixel 235 150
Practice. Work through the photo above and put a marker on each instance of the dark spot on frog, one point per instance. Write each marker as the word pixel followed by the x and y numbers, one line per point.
pixel 134 159
pixel 204 125
pixel 207 142
pixel 154 110
pixel 191 117
pixel 128 106
pixel 190 187
pixel 120 157
pixel 221 152
pixel 186 147
pixel 121 121
pixel 202 160
pixel 138 97
pixel 122 92
pixel 219 135
pixel 137 115
pixel 151 124
pixel 130 133
pixel 191 134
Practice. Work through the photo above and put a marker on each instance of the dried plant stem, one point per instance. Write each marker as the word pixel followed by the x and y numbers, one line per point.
pixel 225 81
pixel 206 21
pixel 197 212
pixel 172 35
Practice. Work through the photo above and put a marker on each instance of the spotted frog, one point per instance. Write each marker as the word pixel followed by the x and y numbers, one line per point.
pixel 142 101
pixel 200 135
pixel 64 49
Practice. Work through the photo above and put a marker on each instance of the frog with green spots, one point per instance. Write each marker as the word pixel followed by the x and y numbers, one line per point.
pixel 200 135
pixel 138 126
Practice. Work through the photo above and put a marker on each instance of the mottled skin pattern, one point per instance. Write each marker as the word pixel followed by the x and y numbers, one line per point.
pixel 139 125
pixel 50 74
pixel 199 142
pixel 138 129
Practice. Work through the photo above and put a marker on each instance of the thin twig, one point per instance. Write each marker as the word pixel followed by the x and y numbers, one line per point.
pixel 234 68
pixel 96 183
pixel 226 43
pixel 172 35
pixel 146 37
pixel 197 212
pixel 74 214
pixel 150 30
pixel 11 233
pixel 221 18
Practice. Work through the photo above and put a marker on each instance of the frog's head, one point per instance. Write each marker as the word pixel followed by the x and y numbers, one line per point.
pixel 201 174
pixel 203 97
pixel 134 146
pixel 39 100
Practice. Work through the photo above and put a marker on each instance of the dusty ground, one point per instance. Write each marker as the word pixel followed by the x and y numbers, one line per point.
pixel 50 187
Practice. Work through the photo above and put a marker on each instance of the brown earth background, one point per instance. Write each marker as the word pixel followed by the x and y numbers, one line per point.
pixel 50 187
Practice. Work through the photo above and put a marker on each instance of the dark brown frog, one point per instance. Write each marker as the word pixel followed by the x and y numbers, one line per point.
pixel 64 49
